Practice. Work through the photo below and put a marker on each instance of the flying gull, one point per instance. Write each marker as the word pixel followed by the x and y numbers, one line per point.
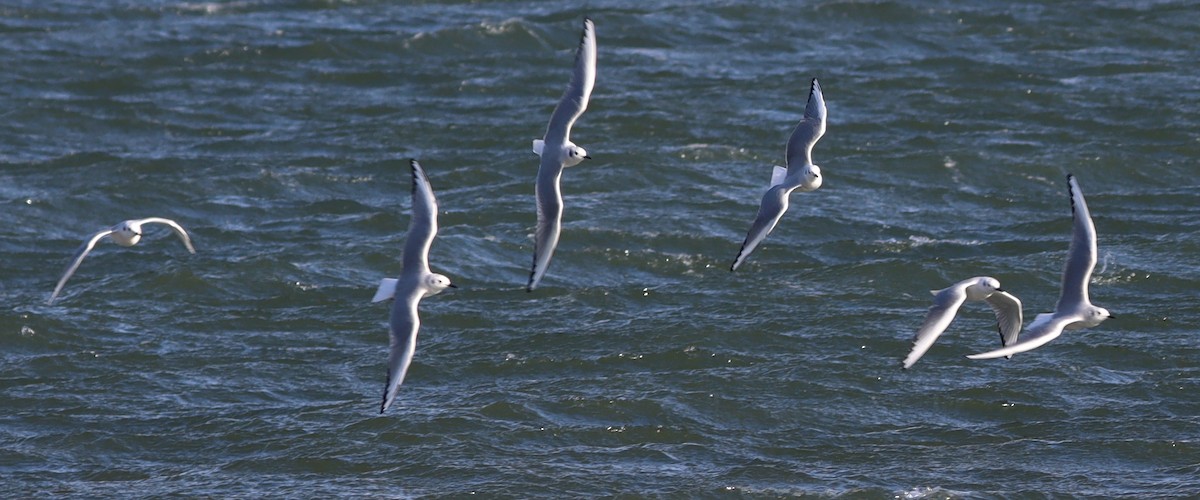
pixel 415 283
pixel 558 152
pixel 1074 310
pixel 800 173
pixel 945 306
pixel 126 234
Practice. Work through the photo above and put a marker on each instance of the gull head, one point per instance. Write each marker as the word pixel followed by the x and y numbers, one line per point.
pixel 574 155
pixel 436 283
pixel 982 288
pixel 1095 316
pixel 127 233
pixel 812 178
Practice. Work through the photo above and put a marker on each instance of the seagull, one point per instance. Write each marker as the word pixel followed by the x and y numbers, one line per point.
pixel 945 306
pixel 558 152
pixel 800 173
pixel 126 234
pixel 1074 310
pixel 415 283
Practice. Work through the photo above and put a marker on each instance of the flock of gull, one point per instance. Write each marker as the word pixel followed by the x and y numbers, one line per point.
pixel 1074 309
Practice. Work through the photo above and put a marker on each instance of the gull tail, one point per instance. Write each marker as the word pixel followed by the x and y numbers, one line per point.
pixel 387 290
pixel 538 146
pixel 777 176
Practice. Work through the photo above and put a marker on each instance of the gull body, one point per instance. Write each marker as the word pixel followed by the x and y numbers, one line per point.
pixel 127 233
pixel 558 152
pixel 946 303
pixel 1074 309
pixel 415 283
pixel 799 174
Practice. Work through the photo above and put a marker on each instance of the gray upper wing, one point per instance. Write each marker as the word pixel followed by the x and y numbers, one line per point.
pixel 945 306
pixel 404 326
pixel 774 204
pixel 1081 256
pixel 808 131
pixel 423 226
pixel 549 219
pixel 76 261
pixel 575 100
pixel 1038 335
pixel 179 231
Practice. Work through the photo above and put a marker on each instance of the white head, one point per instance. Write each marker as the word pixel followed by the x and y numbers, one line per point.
pixel 127 233
pixel 436 283
pixel 1096 315
pixel 812 177
pixel 982 288
pixel 574 155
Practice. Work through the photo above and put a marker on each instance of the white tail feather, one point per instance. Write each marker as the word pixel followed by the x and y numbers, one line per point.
pixel 1039 320
pixel 778 175
pixel 387 290
pixel 538 145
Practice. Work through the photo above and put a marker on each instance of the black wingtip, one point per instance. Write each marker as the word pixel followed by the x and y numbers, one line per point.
pixel 415 168
pixel 1071 192
pixel 532 272
pixel 738 258
pixel 529 285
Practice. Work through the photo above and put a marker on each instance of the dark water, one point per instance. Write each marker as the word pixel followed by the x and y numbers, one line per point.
pixel 278 132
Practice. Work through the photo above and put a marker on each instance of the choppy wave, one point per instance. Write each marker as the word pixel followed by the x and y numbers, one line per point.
pixel 278 132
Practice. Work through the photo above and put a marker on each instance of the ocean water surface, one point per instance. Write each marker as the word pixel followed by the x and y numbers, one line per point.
pixel 279 132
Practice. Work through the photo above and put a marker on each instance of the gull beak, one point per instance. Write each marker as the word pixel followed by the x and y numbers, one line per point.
pixel 587 157
pixel 1111 317
pixel 452 285
pixel 1001 290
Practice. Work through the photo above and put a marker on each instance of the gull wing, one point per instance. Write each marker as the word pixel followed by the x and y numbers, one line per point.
pixel 76 261
pixel 809 130
pixel 575 99
pixel 945 307
pixel 549 220
pixel 1081 255
pixel 1008 316
pixel 772 208
pixel 1038 335
pixel 423 226
pixel 179 231
pixel 404 326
